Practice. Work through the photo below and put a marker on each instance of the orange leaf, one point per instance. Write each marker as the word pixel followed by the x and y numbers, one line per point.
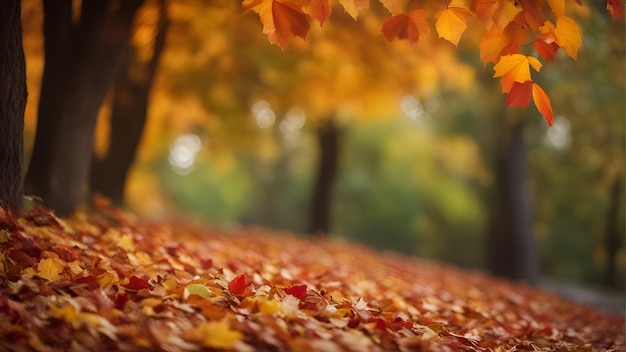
pixel 282 19
pixel 520 94
pixel 557 7
pixel 451 23
pixel 568 35
pixel 394 6
pixel 354 7
pixel 542 102
pixel 491 45
pixel 319 10
pixel 515 68
pixel 406 26
pixel 615 8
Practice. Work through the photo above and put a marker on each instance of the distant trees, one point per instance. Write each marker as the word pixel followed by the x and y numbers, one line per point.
pixel 81 58
pixel 12 103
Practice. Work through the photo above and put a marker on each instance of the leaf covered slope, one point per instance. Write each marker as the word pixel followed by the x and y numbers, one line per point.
pixel 104 280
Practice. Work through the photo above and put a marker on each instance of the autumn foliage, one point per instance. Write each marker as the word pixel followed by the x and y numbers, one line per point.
pixel 509 27
pixel 103 280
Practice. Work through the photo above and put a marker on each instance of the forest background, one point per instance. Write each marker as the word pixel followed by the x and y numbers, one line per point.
pixel 233 126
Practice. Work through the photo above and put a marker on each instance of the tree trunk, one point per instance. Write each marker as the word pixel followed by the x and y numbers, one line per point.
pixel 12 104
pixel 511 248
pixel 80 62
pixel 128 115
pixel 614 232
pixel 321 205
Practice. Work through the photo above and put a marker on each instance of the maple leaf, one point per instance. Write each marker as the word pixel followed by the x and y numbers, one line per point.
pixel 237 286
pixel 282 19
pixel 491 45
pixel 406 26
pixel 542 102
pixel 319 10
pixel 451 23
pixel 531 14
pixel 546 44
pixel 557 7
pixel 216 334
pixel 394 6
pixel 50 268
pixel 520 94
pixel 354 7
pixel 298 291
pixel 515 68
pixel 136 283
pixel 568 36
pixel 615 8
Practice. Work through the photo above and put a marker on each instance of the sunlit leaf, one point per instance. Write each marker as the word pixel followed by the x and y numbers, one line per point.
pixel 542 102
pixel 50 268
pixel 557 7
pixel 515 68
pixel 217 335
pixel 354 7
pixel 451 23
pixel 282 19
pixel 568 35
pixel 491 45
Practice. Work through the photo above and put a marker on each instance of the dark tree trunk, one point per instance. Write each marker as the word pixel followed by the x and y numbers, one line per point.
pixel 80 62
pixel 614 232
pixel 131 91
pixel 511 248
pixel 321 205
pixel 12 103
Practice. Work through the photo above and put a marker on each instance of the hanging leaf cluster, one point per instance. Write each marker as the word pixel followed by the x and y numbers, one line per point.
pixel 509 24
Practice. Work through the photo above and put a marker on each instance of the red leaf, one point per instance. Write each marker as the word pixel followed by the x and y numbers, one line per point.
pixel 135 283
pixel 206 263
pixel 615 8
pixel 407 26
pixel 237 286
pixel 320 10
pixel 546 50
pixel 298 291
pixel 520 94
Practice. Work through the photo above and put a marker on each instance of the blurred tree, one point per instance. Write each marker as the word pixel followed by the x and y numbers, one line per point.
pixel 131 90
pixel 82 53
pixel 12 103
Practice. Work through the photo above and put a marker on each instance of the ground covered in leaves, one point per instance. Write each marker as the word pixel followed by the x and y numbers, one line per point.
pixel 104 280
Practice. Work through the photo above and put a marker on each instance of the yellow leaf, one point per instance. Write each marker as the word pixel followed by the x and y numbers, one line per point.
pixel 50 268
pixel 568 35
pixel 216 335
pixel 515 68
pixel 451 23
pixel 558 7
pixel 354 7
pixel 65 312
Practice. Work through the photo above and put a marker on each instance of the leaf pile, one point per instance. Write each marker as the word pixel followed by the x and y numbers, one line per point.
pixel 104 280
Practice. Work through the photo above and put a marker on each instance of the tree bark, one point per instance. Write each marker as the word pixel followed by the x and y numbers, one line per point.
pixel 131 91
pixel 12 104
pixel 614 232
pixel 321 205
pixel 511 248
pixel 80 62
